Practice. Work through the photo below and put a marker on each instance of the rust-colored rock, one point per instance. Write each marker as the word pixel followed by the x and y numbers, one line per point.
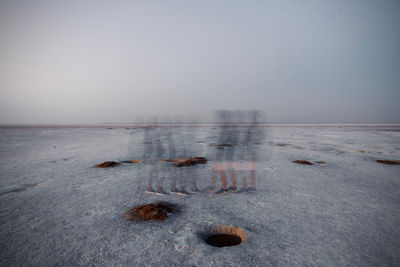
pixel 190 162
pixel 388 162
pixel 304 162
pixel 150 212
pixel 107 164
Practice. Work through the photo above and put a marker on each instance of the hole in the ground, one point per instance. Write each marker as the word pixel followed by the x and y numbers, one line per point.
pixel 223 240
pixel 224 236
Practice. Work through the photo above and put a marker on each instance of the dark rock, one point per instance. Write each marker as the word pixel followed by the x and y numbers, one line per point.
pixel 304 162
pixel 107 164
pixel 190 162
pixel 388 162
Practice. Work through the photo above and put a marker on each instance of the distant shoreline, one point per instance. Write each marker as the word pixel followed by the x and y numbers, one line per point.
pixel 116 126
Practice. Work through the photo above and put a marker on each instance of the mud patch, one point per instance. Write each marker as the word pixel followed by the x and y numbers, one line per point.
pixel 107 164
pixel 158 211
pixel 188 161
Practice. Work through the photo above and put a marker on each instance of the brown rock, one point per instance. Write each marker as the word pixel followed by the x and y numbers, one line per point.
pixel 304 162
pixel 190 162
pixel 150 212
pixel 107 164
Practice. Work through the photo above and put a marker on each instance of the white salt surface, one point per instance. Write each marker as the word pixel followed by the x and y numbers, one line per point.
pixel 55 209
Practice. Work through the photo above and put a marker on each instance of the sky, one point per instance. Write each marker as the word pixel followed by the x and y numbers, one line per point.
pixel 87 62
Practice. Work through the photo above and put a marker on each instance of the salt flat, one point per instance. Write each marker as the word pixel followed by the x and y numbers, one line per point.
pixel 56 209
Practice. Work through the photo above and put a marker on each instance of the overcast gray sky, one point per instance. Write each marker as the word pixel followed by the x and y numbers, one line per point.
pixel 108 61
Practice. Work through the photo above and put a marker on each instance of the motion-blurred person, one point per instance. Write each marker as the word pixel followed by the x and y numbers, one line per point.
pixel 227 141
pixel 178 181
pixel 254 139
pixel 154 151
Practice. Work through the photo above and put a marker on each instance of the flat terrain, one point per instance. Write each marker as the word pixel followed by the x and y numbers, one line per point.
pixel 56 209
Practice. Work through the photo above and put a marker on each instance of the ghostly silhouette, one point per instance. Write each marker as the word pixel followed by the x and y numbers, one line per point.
pixel 254 139
pixel 239 140
pixel 183 177
pixel 224 155
pixel 153 153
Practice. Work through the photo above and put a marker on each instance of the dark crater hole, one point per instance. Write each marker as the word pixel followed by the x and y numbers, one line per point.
pixel 223 240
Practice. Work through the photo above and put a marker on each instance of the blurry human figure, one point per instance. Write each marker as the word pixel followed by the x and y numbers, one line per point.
pixel 192 150
pixel 153 152
pixel 178 181
pixel 240 162
pixel 254 139
pixel 227 142
pixel 240 137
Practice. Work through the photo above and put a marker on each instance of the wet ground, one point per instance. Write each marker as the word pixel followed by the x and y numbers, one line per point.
pixel 56 209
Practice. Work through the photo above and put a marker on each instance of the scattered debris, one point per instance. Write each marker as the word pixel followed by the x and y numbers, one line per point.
pixel 107 164
pixel 304 162
pixel 321 162
pixel 388 162
pixel 150 212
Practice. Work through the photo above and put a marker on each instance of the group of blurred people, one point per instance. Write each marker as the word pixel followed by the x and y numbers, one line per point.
pixel 240 136
pixel 233 148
